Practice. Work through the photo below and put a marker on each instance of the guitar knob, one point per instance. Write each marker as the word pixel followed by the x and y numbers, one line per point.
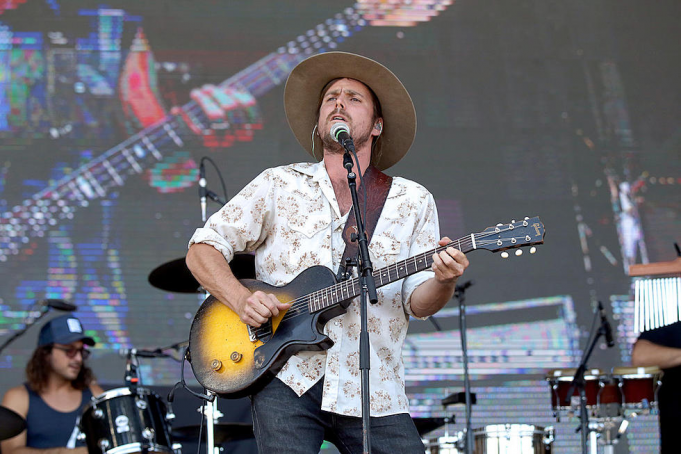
pixel 236 357
pixel 216 364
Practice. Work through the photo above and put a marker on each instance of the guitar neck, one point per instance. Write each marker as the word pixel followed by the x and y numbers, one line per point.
pixel 351 288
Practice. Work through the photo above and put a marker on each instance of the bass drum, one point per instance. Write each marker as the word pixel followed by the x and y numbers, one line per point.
pixel 513 439
pixel 127 421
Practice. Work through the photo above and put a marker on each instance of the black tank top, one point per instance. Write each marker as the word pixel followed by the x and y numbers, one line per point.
pixel 49 428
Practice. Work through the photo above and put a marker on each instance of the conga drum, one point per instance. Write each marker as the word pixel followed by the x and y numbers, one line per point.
pixel 638 387
pixel 560 382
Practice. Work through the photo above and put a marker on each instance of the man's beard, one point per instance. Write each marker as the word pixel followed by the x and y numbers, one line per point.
pixel 334 147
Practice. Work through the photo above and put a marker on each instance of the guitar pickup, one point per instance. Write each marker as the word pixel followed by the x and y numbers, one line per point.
pixel 263 333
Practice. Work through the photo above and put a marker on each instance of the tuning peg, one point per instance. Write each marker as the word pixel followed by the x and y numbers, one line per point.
pixel 504 255
pixel 519 252
pixel 533 250
pixel 499 224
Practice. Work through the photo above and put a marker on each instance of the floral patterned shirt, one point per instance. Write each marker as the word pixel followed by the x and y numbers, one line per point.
pixel 289 217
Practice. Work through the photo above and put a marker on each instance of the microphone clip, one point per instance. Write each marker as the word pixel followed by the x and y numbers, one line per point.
pixel 347 160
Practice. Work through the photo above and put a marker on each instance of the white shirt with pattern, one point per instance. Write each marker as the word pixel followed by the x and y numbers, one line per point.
pixel 289 217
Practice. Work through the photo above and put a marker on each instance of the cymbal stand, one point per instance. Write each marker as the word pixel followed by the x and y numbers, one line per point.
pixel 32 319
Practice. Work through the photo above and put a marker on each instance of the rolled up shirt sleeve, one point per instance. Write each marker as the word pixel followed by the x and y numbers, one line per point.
pixel 240 224
pixel 425 238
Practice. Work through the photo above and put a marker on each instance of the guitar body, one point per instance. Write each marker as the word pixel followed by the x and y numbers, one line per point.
pixel 228 362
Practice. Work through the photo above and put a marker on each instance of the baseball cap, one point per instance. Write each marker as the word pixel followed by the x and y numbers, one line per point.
pixel 63 330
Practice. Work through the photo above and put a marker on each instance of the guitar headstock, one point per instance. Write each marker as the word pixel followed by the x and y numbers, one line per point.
pixel 400 13
pixel 528 232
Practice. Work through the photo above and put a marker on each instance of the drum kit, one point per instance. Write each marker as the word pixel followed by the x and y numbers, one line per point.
pixel 611 398
pixel 492 438
pixel 134 419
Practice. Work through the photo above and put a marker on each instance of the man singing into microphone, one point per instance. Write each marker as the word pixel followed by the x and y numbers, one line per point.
pixel 58 386
pixel 294 217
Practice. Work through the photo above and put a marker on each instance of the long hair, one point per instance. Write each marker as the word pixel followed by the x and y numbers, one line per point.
pixel 38 371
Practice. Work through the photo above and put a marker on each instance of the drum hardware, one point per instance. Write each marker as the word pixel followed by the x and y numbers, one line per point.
pixel 602 433
pixel 11 423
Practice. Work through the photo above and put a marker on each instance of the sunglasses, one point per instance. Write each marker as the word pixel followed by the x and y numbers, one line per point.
pixel 71 352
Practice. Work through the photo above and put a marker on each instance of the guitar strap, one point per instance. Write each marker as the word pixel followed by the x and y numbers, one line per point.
pixel 377 188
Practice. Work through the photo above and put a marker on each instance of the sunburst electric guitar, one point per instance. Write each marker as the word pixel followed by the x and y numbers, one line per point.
pixel 233 359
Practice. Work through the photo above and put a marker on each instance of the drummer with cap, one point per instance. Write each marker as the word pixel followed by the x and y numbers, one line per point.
pixel 58 386
pixel 293 217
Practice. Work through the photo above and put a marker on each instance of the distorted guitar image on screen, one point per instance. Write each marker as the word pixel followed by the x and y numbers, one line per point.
pixel 557 121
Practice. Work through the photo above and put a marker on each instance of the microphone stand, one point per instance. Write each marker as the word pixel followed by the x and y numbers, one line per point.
pixel 21 332
pixel 460 295
pixel 579 383
pixel 368 290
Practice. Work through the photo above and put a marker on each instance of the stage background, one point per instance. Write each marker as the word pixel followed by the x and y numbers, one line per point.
pixel 566 111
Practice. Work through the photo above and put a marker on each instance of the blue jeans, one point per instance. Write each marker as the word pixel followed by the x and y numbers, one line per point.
pixel 287 424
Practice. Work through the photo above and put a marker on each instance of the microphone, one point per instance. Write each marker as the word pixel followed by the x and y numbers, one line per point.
pixel 58 305
pixel 340 132
pixel 202 189
pixel 606 326
pixel 125 352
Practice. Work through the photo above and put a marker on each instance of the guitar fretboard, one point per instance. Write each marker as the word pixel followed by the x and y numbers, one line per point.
pixel 351 288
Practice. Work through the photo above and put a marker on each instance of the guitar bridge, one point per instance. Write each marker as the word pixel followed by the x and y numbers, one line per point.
pixel 263 333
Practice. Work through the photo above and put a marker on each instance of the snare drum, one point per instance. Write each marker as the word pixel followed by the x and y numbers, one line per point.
pixel 126 421
pixel 513 439
pixel 560 381
pixel 638 386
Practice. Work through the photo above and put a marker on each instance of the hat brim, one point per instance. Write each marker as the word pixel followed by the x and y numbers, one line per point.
pixel 309 77
pixel 76 337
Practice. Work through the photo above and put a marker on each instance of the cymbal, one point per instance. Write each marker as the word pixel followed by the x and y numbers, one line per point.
pixel 223 432
pixel 11 424
pixel 174 276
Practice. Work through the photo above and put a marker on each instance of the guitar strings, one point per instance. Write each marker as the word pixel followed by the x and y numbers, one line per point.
pixel 298 304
